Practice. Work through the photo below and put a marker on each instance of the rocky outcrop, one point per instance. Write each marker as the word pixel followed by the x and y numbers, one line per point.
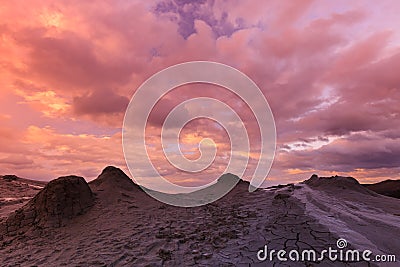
pixel 59 201
pixel 10 177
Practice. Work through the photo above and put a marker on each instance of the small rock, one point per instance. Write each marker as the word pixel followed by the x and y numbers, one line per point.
pixel 165 254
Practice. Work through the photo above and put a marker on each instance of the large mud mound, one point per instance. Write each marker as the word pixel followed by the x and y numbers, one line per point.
pixel 337 183
pixel 59 201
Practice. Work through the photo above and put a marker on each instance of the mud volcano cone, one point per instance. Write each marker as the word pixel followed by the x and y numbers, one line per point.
pixel 59 201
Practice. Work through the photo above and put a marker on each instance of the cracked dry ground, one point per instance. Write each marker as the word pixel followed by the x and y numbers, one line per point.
pixel 233 230
pixel 134 230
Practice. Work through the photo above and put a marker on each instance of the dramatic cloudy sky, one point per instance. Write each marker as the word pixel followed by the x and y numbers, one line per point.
pixel 329 70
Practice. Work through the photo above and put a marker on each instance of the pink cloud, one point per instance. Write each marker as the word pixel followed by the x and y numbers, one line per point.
pixel 100 101
pixel 328 70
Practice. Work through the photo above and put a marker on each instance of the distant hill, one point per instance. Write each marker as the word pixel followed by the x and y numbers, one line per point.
pixel 390 188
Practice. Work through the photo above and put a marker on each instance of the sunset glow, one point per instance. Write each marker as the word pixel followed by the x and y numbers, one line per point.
pixel 329 70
